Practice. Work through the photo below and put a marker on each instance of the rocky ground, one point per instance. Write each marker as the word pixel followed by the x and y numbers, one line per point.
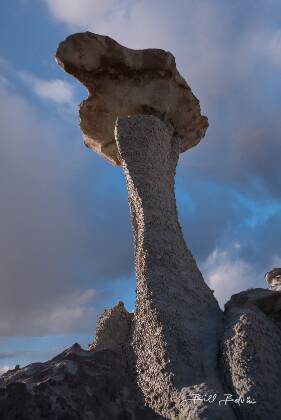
pixel 79 384
pixel 100 383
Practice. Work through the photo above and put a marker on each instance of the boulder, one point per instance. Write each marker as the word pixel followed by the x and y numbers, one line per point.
pixel 251 357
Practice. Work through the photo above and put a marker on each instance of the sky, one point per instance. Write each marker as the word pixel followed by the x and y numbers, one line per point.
pixel 66 250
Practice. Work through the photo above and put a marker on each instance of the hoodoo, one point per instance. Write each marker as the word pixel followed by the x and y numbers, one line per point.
pixel 141 114
pixel 178 356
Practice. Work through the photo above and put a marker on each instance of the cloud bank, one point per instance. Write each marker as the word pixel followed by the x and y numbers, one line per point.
pixel 65 243
pixel 54 229
pixel 58 91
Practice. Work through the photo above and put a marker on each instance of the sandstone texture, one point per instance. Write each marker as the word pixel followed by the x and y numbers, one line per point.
pixel 122 82
pixel 103 383
pixel 113 329
pixel 251 356
pixel 177 321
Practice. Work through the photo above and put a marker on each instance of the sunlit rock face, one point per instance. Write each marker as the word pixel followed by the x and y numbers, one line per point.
pixel 177 320
pixel 251 356
pixel 122 82
pixel 113 329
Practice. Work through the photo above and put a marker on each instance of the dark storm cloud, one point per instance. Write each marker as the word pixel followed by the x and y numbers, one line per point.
pixel 240 156
pixel 60 244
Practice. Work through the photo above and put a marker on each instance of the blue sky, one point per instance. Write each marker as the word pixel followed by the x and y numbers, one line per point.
pixel 65 244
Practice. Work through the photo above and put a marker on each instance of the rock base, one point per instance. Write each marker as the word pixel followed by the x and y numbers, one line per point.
pixel 101 383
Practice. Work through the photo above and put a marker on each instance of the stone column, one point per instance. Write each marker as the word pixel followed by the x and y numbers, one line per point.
pixel 177 320
pixel 137 102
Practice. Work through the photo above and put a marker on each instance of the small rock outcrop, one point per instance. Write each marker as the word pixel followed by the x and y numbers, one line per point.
pixel 273 279
pixel 251 356
pixel 102 383
pixel 113 329
pixel 78 384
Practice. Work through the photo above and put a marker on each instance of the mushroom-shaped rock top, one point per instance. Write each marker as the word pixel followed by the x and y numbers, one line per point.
pixel 123 82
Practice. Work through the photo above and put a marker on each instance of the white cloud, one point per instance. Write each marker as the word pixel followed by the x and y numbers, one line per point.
pixel 73 312
pixel 5 68
pixel 69 314
pixel 83 13
pixel 4 64
pixel 57 90
pixel 226 274
pixel 4 81
pixel 211 54
pixel 276 261
pixel 266 46
pixel 3 369
pixel 273 48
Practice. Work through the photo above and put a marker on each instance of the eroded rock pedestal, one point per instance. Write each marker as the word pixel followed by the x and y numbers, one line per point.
pixel 141 114
pixel 177 321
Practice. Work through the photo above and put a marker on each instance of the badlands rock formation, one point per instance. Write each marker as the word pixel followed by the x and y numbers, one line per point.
pixel 132 117
pixel 140 115
pixel 78 384
pixel 123 82
pixel 251 357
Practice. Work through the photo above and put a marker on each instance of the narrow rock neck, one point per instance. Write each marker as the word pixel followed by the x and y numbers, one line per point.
pixel 177 319
pixel 149 154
